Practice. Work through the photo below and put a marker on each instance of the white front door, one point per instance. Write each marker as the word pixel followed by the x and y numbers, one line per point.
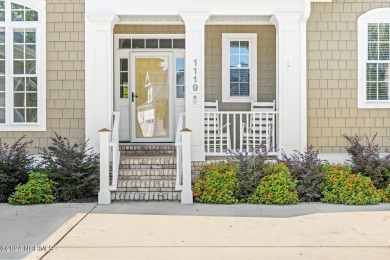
pixel 150 95
pixel 125 86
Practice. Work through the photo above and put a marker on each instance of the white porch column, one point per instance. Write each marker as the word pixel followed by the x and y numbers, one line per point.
pixel 195 44
pixel 291 81
pixel 98 74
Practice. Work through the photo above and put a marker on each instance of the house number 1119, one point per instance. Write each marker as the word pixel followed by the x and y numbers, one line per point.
pixel 195 87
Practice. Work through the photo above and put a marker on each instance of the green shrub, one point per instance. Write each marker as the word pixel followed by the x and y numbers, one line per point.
pixel 218 183
pixel 343 187
pixel 75 168
pixel 38 189
pixel 366 160
pixel 306 168
pixel 249 173
pixel 385 194
pixel 276 188
pixel 14 166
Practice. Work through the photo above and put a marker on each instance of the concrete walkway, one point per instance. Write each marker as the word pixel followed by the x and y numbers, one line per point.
pixel 173 231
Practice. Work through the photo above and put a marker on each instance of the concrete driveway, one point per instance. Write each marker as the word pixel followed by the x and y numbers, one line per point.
pixel 173 231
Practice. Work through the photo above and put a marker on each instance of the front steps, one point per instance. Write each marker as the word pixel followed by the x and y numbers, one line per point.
pixel 147 173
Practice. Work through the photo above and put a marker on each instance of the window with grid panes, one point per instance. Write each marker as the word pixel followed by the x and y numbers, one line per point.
pixel 239 81
pixel 374 59
pixel 22 84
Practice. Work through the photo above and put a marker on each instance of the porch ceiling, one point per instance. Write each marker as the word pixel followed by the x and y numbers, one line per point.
pixel 213 19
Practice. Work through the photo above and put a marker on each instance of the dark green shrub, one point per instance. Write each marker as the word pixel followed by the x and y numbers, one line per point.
pixel 276 188
pixel 367 161
pixel 249 173
pixel 38 189
pixel 306 169
pixel 75 168
pixel 218 183
pixel 343 187
pixel 14 166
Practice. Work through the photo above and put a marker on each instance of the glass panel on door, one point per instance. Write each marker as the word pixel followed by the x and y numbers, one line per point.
pixel 151 98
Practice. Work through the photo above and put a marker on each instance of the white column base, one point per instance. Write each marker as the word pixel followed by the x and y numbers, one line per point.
pixel 187 198
pixel 104 198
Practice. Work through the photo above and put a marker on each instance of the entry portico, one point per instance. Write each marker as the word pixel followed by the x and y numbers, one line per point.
pixel 288 16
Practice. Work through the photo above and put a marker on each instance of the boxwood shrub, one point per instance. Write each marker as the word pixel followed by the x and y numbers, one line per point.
pixel 341 186
pixel 276 188
pixel 218 183
pixel 38 189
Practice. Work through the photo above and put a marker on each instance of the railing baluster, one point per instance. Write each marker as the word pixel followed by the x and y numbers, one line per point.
pixel 234 132
pixel 220 130
pixel 247 135
pixel 208 132
pixel 241 132
pixel 273 131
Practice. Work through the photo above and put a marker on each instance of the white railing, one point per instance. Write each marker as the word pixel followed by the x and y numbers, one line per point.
pixel 116 154
pixel 109 147
pixel 179 152
pixel 240 132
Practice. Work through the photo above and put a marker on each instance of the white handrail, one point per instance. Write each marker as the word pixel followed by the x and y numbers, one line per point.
pixel 252 131
pixel 115 151
pixel 179 151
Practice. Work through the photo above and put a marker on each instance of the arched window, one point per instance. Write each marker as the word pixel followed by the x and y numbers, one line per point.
pixel 22 65
pixel 374 59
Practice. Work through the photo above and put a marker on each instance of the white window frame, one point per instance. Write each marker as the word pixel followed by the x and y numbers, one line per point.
pixel 226 39
pixel 40 27
pixel 381 15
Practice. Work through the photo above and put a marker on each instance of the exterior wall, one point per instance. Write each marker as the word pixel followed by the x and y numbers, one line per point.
pixel 266 63
pixel 65 75
pixel 332 77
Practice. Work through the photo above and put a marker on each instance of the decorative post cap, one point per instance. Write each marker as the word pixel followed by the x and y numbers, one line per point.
pixel 104 130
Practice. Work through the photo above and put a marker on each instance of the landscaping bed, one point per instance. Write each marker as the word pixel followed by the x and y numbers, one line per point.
pixel 65 173
pixel 302 177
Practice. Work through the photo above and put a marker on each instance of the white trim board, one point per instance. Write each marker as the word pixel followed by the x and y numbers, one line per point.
pixel 174 7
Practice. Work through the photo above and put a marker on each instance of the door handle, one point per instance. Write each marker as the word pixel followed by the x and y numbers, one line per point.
pixel 133 96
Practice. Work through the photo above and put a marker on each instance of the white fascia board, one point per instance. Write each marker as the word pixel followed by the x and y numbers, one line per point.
pixel 214 7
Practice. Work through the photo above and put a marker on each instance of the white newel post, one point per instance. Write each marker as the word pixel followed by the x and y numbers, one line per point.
pixel 195 87
pixel 104 196
pixel 291 81
pixel 186 194
pixel 98 74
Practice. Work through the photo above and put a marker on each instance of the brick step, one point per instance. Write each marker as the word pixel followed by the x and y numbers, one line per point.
pixel 147 173
pixel 145 196
pixel 146 178
pixel 147 162
pixel 155 149
pixel 146 184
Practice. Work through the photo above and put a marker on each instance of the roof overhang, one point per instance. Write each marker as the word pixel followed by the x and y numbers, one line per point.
pixel 255 10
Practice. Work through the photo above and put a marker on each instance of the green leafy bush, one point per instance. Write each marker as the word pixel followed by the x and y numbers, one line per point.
pixel 366 160
pixel 276 188
pixel 75 168
pixel 343 187
pixel 38 189
pixel 14 166
pixel 306 168
pixel 218 183
pixel 249 172
pixel 385 194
